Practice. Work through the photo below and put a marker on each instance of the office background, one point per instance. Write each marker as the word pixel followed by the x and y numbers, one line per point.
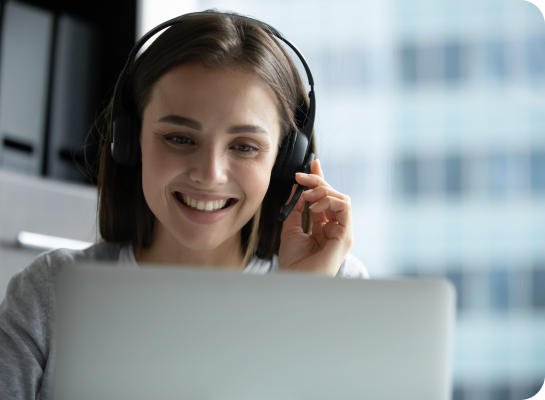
pixel 431 116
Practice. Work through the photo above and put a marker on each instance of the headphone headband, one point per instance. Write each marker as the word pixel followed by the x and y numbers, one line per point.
pixel 167 24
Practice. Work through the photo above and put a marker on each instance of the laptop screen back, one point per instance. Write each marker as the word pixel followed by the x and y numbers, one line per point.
pixel 160 333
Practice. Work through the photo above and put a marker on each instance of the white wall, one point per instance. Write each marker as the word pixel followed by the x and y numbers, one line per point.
pixel 151 13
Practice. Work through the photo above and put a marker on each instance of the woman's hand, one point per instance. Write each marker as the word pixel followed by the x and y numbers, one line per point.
pixel 325 248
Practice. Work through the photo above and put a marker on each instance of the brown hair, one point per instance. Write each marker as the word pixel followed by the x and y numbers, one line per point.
pixel 215 40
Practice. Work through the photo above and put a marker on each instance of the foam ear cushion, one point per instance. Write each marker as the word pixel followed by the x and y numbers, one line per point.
pixel 297 157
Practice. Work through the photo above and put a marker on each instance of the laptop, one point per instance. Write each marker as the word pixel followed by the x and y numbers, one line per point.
pixel 180 333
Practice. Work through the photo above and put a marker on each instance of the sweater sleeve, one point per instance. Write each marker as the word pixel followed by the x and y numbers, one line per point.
pixel 25 332
pixel 27 320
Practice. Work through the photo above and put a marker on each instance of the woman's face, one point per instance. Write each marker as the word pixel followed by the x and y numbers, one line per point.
pixel 209 141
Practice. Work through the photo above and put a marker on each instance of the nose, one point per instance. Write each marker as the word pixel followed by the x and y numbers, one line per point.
pixel 209 167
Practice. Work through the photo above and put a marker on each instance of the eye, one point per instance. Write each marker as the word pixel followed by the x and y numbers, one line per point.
pixel 244 148
pixel 178 140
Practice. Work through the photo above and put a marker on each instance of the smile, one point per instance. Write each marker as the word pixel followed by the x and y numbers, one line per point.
pixel 204 205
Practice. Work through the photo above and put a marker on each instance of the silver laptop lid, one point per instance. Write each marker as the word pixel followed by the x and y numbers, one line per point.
pixel 174 333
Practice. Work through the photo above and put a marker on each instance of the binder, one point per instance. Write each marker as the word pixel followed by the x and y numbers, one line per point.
pixel 24 79
pixel 73 97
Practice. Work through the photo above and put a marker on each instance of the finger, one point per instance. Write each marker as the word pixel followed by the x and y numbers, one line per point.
pixel 310 180
pixel 314 195
pixel 340 233
pixel 318 233
pixel 316 168
pixel 318 218
pixel 340 209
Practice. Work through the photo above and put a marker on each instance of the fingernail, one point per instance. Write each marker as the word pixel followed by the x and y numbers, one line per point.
pixel 301 174
pixel 311 206
pixel 309 191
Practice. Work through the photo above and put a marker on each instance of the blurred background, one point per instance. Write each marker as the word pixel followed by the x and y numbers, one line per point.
pixel 430 115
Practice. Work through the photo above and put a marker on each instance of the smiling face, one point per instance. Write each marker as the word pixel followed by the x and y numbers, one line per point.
pixel 209 141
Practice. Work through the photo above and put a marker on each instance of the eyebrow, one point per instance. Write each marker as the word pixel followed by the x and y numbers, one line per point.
pixel 191 123
pixel 182 121
pixel 247 129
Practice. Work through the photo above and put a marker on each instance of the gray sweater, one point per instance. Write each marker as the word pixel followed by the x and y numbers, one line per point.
pixel 27 311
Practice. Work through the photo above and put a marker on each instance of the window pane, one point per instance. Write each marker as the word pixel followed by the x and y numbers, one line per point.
pixel 408 176
pixel 408 64
pixel 537 172
pixel 497 174
pixel 453 62
pixel 499 289
pixel 453 175
pixel 538 288
pixel 536 57
pixel 495 60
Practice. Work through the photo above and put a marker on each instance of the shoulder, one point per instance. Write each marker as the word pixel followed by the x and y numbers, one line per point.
pixel 29 289
pixel 26 315
pixel 47 264
pixel 351 267
pixel 29 292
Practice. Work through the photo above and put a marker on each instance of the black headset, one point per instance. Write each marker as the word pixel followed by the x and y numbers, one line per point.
pixel 293 156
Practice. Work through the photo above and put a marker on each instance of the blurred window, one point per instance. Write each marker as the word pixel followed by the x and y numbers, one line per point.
pixel 430 64
pixel 409 269
pixel 344 69
pixel 408 64
pixel 538 287
pixel 495 60
pixel 454 60
pixel 453 175
pixel 537 171
pixel 408 176
pixel 499 288
pixel 497 173
pixel 500 392
pixel 535 56
pixel 345 178
pixel 458 392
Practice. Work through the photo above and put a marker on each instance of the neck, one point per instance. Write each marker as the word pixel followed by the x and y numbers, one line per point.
pixel 165 249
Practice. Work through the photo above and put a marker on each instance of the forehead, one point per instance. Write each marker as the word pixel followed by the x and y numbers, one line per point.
pixel 214 95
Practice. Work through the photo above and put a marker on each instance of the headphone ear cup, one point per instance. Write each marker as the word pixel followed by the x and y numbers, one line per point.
pixel 291 157
pixel 283 156
pixel 126 145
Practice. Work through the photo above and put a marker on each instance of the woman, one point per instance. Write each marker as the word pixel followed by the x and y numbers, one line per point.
pixel 214 96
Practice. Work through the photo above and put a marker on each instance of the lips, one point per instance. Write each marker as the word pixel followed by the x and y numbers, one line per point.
pixel 204 205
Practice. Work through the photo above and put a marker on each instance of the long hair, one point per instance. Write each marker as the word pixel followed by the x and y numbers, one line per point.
pixel 215 40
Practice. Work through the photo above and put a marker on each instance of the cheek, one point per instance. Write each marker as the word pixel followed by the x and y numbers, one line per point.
pixel 255 178
pixel 159 167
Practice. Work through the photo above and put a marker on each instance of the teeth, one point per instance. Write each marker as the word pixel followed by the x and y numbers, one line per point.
pixel 204 205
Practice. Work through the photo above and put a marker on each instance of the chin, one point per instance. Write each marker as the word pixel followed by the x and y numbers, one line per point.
pixel 200 241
